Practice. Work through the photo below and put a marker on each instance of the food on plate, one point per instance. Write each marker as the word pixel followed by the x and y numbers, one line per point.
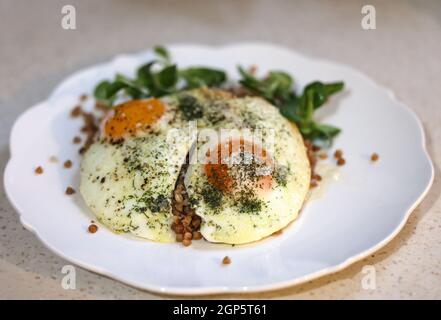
pixel 67 164
pixel 375 157
pixel 338 154
pixel 181 154
pixel 226 260
pixel 53 159
pixel 39 170
pixel 92 228
pixel 245 192
pixel 129 173
pixel 341 162
pixel 69 191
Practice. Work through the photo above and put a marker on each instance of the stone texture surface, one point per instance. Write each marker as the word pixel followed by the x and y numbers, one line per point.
pixel 402 54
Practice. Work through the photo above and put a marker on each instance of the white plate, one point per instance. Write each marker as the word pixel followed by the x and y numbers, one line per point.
pixel 357 215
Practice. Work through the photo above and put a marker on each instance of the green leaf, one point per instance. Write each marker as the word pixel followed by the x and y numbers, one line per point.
pixel 289 110
pixel 250 82
pixel 129 86
pixel 163 53
pixel 334 87
pixel 282 79
pixel 106 91
pixel 135 93
pixel 322 91
pixel 203 77
pixel 125 82
pixel 158 83
pixel 276 87
pixel 312 98
pixel 100 91
pixel 144 75
pixel 324 132
pixel 309 106
pixel 114 87
pixel 167 77
pixel 318 93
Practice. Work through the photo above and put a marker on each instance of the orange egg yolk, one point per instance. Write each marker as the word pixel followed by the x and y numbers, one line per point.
pixel 240 173
pixel 132 117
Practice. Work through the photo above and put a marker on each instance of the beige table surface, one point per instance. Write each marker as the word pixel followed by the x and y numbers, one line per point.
pixel 403 53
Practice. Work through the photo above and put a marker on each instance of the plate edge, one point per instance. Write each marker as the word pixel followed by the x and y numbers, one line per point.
pixel 226 290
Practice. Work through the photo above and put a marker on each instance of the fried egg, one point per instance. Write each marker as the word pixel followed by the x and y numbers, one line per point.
pixel 248 174
pixel 251 185
pixel 128 175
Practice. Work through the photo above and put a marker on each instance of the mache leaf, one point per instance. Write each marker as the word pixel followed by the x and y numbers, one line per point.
pixel 197 77
pixel 162 53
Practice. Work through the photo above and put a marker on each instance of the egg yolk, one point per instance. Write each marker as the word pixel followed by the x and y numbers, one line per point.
pixel 133 116
pixel 237 165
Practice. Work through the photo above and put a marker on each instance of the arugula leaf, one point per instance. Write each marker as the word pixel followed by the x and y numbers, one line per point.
pixel 202 77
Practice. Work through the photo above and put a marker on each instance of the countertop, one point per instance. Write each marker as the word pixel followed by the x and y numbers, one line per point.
pixel 402 53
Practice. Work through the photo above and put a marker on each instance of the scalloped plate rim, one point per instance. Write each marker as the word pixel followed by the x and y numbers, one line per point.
pixel 224 289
